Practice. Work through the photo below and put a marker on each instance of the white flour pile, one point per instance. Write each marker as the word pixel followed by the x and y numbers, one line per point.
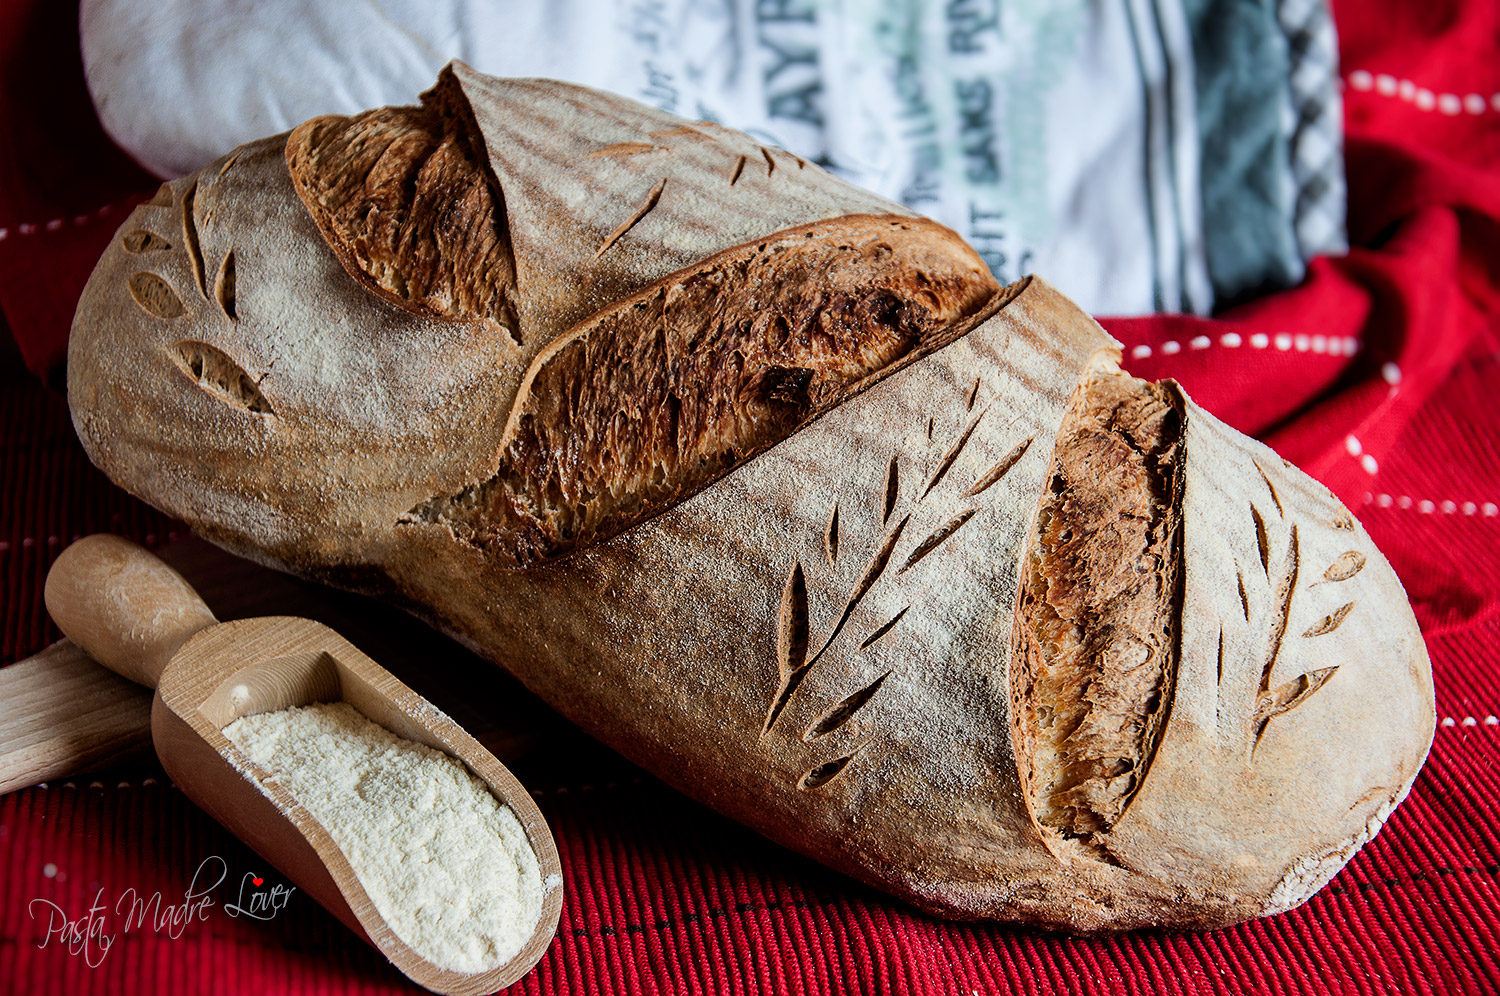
pixel 446 864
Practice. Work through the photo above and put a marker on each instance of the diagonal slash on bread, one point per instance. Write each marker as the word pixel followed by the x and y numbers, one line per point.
pixel 765 482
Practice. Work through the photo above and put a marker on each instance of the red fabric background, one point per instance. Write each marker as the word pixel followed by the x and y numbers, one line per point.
pixel 1380 376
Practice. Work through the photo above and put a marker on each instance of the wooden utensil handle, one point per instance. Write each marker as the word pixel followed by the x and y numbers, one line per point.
pixel 61 715
pixel 123 606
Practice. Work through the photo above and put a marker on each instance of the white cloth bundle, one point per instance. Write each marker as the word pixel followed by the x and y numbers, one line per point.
pixel 1058 136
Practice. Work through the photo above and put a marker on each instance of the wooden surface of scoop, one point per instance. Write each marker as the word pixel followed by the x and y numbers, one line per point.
pixel 132 612
pixel 63 715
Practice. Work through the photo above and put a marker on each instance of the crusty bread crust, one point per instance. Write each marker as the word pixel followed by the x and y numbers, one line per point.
pixel 796 592
pixel 409 209
pixel 656 397
pixel 1100 603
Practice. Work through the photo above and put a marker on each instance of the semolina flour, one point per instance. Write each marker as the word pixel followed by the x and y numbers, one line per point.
pixel 446 864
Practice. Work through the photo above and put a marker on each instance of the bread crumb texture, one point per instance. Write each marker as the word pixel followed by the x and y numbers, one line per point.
pixel 1097 628
pixel 659 395
pixel 447 865
pixel 409 209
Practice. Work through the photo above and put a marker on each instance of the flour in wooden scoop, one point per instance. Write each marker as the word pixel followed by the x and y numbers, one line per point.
pixel 446 864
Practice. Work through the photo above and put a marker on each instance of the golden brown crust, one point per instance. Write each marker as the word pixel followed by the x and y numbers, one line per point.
pixel 821 642
pixel 409 209
pixel 1097 622
pixel 654 398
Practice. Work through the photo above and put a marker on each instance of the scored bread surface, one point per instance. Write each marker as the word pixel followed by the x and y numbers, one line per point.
pixel 763 481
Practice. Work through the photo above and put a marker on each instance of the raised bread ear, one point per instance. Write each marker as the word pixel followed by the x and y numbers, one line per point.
pixel 409 209
pixel 662 393
pixel 535 203
pixel 604 195
pixel 703 295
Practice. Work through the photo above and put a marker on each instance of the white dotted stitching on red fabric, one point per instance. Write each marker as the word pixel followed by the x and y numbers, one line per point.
pixel 1426 507
pixel 27 542
pixel 1332 345
pixel 1356 449
pixel 146 783
pixel 610 786
pixel 54 224
pixel 1422 98
pixel 606 787
pixel 1449 721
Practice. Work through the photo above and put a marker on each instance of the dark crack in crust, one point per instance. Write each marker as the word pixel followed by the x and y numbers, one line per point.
pixel 660 394
pixel 1097 633
pixel 409 208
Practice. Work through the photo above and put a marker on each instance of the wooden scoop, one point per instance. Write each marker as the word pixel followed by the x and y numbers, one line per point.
pixel 136 615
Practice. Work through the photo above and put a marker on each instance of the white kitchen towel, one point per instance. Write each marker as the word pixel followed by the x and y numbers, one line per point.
pixel 1058 136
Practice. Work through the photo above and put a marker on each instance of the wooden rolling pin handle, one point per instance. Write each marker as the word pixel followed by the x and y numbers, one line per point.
pixel 123 606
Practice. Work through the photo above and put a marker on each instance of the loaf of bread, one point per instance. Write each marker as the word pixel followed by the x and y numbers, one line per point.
pixel 765 482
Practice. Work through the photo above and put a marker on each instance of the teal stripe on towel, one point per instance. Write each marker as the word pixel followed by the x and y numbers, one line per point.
pixel 1241 68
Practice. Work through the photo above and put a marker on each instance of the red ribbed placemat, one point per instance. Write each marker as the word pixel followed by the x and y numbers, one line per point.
pixel 1380 376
